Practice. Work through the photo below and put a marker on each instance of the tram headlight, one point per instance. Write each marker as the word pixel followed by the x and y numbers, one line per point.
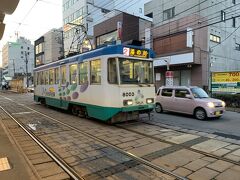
pixel 127 102
pixel 149 100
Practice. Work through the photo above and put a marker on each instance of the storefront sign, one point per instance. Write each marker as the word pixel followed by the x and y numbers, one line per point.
pixel 140 53
pixel 226 82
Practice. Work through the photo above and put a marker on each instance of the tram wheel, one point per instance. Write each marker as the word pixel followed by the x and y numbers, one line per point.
pixel 75 111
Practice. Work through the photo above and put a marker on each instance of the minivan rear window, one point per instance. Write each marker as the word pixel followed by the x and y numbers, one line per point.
pixel 167 92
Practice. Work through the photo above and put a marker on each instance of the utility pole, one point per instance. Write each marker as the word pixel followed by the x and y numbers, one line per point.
pixel 26 62
pixel 13 67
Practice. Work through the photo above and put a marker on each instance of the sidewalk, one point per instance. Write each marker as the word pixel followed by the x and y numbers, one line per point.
pixel 12 164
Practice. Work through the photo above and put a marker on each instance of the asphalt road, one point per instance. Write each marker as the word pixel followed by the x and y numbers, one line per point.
pixel 227 126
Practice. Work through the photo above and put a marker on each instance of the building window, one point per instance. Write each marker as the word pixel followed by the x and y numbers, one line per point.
pixel 234 1
pixel 83 73
pixel 215 38
pixel 73 73
pixel 140 10
pixel 39 48
pixel 237 47
pixel 96 72
pixel 149 15
pixel 223 15
pixel 109 38
pixel 234 22
pixel 169 13
pixel 21 47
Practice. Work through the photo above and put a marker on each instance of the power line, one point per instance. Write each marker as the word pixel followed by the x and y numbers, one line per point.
pixel 194 19
pixel 27 14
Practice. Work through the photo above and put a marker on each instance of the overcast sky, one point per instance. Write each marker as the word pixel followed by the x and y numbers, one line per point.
pixel 32 19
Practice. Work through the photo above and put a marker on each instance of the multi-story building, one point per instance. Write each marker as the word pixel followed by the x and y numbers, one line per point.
pixel 17 58
pixel 49 47
pixel 86 14
pixel 194 38
pixel 133 31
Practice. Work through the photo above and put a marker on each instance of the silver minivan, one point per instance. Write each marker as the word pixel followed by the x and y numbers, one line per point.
pixel 188 100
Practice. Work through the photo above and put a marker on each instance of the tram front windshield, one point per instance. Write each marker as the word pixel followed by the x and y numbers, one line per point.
pixel 135 71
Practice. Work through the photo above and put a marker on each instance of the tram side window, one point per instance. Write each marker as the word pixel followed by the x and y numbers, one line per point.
pixel 35 78
pixel 51 76
pixel 112 71
pixel 38 78
pixel 73 74
pixel 56 76
pixel 41 78
pixel 46 77
pixel 83 73
pixel 96 72
pixel 63 74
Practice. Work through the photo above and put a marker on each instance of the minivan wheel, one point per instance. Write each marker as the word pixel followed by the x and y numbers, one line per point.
pixel 158 108
pixel 200 114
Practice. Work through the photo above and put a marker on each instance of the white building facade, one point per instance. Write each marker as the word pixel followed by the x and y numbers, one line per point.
pixel 17 58
pixel 88 13
pixel 49 47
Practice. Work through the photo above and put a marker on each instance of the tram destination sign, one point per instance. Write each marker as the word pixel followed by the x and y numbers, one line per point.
pixel 133 52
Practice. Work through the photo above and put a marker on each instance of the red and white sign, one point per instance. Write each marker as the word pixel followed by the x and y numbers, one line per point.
pixel 119 30
pixel 169 74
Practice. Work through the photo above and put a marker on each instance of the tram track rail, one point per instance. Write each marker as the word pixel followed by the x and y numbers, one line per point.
pixel 67 168
pixel 175 144
pixel 73 175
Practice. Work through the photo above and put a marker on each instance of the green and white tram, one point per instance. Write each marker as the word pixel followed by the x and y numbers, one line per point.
pixel 113 83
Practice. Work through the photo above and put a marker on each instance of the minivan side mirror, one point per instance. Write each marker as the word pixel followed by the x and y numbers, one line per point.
pixel 189 96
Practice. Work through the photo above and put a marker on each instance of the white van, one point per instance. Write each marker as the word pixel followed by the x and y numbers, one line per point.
pixel 188 100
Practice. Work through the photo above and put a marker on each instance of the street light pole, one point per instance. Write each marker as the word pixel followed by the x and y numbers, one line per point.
pixel 209 72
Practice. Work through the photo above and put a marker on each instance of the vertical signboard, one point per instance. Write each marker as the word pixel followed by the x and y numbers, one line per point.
pixel 189 37
pixel 169 78
pixel 148 38
pixel 119 30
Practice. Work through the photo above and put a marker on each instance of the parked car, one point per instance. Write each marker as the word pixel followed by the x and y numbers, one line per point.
pixel 5 85
pixel 30 88
pixel 188 100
